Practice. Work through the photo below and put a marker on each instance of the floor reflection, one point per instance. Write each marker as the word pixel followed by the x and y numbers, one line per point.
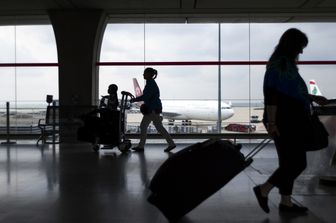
pixel 28 170
pixel 70 183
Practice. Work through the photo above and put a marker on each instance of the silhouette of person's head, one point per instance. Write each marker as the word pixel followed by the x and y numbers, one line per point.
pixel 112 89
pixel 150 73
pixel 290 44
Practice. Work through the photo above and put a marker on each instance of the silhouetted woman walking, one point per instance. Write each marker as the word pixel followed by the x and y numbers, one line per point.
pixel 151 109
pixel 287 106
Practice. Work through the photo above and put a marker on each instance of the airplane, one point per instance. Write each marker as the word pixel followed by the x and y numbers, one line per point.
pixel 186 110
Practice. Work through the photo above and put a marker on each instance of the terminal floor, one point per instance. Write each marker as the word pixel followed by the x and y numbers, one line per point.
pixel 71 184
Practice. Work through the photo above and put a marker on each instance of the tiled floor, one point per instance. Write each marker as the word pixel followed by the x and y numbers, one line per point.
pixel 71 184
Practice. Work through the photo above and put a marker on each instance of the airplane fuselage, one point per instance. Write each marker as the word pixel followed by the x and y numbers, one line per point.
pixel 195 110
pixel 206 110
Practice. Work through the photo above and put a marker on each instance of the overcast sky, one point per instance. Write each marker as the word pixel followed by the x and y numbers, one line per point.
pixel 199 42
pixel 168 42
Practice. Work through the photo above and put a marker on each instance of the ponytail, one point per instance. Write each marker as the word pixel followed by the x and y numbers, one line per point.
pixel 155 73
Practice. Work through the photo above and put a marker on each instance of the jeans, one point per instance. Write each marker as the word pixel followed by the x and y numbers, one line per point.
pixel 292 162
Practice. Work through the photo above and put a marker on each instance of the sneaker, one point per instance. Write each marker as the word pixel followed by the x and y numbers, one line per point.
pixel 293 209
pixel 263 201
pixel 170 148
pixel 138 149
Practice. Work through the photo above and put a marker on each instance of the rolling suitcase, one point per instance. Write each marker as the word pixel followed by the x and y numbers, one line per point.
pixel 193 174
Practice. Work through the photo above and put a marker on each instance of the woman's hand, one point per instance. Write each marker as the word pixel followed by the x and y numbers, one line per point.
pixel 272 129
pixel 319 99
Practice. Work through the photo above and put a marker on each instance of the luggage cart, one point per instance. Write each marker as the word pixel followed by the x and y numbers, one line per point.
pixel 105 129
pixel 125 144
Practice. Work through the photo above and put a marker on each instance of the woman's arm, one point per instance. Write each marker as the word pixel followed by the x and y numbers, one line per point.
pixel 140 98
pixel 271 101
pixel 147 93
pixel 271 124
pixel 319 99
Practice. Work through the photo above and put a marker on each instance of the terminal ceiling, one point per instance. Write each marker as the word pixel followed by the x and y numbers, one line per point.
pixel 167 11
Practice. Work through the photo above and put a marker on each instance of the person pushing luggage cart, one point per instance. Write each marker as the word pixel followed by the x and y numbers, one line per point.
pixel 151 110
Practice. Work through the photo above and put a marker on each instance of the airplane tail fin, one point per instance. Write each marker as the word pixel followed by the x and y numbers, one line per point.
pixel 314 89
pixel 137 91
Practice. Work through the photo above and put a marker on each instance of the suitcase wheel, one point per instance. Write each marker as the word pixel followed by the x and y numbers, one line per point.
pixel 95 147
pixel 248 162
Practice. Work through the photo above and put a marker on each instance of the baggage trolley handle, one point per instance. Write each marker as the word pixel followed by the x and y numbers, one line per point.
pixel 257 149
pixel 124 144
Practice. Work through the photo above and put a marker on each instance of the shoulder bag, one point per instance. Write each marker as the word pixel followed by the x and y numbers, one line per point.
pixel 316 135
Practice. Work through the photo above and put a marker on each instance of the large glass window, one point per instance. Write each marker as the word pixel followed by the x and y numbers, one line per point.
pixel 178 42
pixel 26 87
pixel 264 38
pixel 182 52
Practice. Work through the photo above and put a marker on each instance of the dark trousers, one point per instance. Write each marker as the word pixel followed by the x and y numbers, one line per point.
pixel 292 162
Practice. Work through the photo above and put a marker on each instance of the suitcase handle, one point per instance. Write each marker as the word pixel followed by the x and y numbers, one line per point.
pixel 257 149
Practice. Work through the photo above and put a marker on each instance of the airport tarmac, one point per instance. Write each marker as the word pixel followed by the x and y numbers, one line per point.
pixel 242 115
